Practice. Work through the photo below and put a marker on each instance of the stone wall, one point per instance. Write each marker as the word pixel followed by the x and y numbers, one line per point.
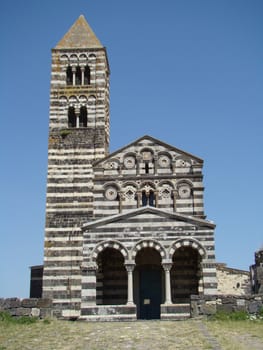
pixel 226 303
pixel 232 281
pixel 27 307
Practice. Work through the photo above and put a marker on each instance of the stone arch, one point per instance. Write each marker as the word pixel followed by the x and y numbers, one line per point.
pixel 164 159
pixel 148 243
pixel 187 242
pixel 73 100
pixel 146 184
pixel 130 183
pixel 109 244
pixel 64 58
pixel 63 100
pixel 91 100
pixel 73 59
pixel 82 57
pixel 166 182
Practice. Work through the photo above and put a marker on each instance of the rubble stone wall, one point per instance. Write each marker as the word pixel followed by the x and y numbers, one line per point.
pixel 226 303
pixel 27 307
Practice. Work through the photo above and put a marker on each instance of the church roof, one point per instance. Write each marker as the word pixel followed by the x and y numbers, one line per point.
pixel 79 36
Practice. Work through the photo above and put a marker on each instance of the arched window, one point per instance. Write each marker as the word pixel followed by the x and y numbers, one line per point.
pixel 69 76
pixel 78 76
pixel 71 117
pixel 87 75
pixel 83 119
pixel 148 198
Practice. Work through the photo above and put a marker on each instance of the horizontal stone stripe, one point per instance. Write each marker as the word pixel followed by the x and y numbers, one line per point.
pixel 57 283
pixel 60 288
pixel 88 299
pixel 62 265
pixel 89 285
pixel 69 194
pixel 66 258
pixel 62 274
pixel 68 210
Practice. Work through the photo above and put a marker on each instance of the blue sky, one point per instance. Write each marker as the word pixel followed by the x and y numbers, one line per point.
pixel 187 72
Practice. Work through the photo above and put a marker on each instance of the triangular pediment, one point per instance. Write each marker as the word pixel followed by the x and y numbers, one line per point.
pixel 151 213
pixel 79 36
pixel 148 142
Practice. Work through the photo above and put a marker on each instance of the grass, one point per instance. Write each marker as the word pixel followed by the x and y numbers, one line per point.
pixel 28 333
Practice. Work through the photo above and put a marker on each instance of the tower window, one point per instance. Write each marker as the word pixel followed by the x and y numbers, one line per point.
pixel 69 76
pixel 83 119
pixel 87 75
pixel 71 117
pixel 78 76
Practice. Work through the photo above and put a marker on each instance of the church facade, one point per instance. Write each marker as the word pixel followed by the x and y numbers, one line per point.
pixel 126 235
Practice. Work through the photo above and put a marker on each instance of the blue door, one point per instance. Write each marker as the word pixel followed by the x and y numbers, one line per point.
pixel 150 293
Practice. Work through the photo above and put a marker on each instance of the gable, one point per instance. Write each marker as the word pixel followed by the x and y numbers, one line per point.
pixel 149 216
pixel 139 148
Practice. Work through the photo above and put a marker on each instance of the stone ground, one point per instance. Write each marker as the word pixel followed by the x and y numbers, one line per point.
pixel 141 335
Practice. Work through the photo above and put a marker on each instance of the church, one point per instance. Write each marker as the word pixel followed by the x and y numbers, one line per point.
pixel 126 235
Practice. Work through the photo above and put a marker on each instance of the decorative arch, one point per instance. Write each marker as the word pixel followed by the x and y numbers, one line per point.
pixel 130 183
pixel 187 242
pixel 148 243
pixel 166 182
pixel 184 181
pixel 109 244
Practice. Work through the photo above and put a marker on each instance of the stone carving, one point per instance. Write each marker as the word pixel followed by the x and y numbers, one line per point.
pixel 129 162
pixel 111 193
pixel 129 193
pixel 184 191
pixel 164 161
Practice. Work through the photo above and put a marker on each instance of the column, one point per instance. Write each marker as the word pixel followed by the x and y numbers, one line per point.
pixel 156 193
pixel 77 113
pixel 74 76
pixel 120 195
pixel 167 267
pixel 82 75
pixel 174 199
pixel 130 268
pixel 139 199
pixel 138 164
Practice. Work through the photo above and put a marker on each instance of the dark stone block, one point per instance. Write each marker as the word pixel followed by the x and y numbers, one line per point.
pixel 44 303
pixel 225 307
pixel 12 303
pixel 23 311
pixel 254 307
pixel 32 302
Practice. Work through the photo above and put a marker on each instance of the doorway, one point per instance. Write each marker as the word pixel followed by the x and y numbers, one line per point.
pixel 148 283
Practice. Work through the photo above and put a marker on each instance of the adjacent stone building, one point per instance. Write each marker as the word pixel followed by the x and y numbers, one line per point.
pixel 256 271
pixel 126 234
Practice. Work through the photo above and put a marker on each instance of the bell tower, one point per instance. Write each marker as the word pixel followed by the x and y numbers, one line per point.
pixel 78 135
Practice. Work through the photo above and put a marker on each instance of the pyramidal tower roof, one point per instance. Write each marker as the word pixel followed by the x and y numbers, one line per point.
pixel 79 36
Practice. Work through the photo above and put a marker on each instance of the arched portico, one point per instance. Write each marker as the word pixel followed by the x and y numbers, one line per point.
pixel 186 270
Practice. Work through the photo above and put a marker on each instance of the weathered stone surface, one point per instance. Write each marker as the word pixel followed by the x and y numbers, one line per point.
pixel 44 303
pixel 254 307
pixel 32 302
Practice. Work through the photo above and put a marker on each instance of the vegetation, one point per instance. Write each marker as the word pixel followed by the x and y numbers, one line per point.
pixel 6 318
pixel 230 331
pixel 64 133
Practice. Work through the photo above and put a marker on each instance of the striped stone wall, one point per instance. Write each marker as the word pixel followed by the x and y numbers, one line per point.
pixel 173 177
pixel 71 152
pixel 154 228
